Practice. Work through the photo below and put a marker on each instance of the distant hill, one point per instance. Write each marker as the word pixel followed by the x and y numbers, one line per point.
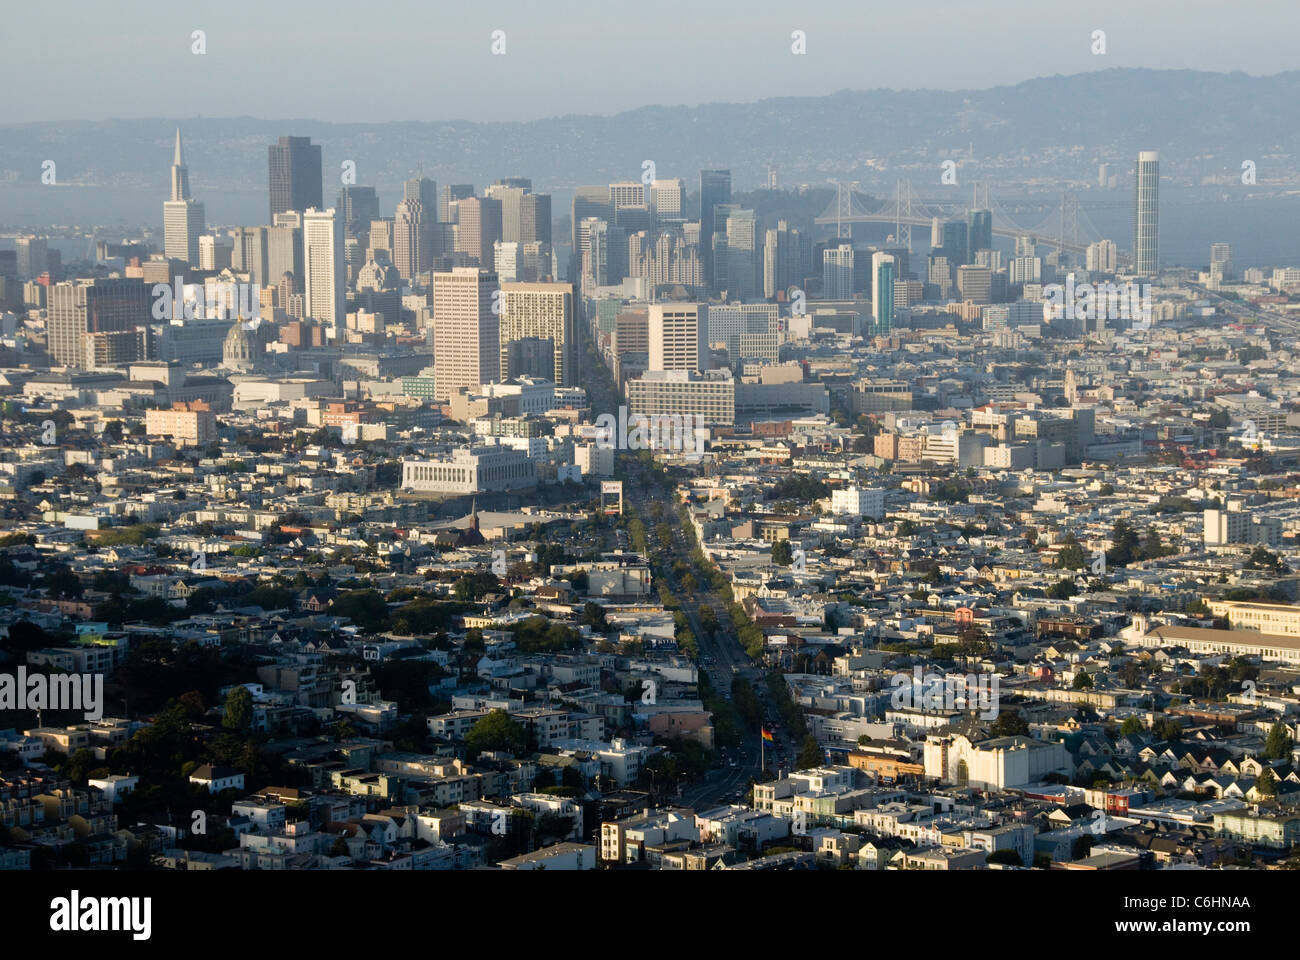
pixel 1048 129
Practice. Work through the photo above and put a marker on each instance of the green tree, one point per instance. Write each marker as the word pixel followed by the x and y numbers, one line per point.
pixel 781 553
pixel 1279 742
pixel 1071 556
pixel 1241 669
pixel 1152 547
pixel 496 731
pixel 593 614
pixel 1262 559
pixel 1131 673
pixel 1063 589
pixel 239 709
pixel 1009 724
pixel 25 635
pixel 810 754
pixel 1082 681
pixel 474 586
pixel 973 641
pixel 1167 728
pixel 1266 783
pixel 79 765
pixel 1125 544
pixel 62 582
pixel 1009 857
pixel 1130 726
pixel 474 642
pixel 366 608
pixel 556 825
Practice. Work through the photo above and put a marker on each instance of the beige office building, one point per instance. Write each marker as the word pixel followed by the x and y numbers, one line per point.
pixel 188 423
pixel 668 199
pixel 632 331
pixel 466 339
pixel 478 228
pixel 678 336
pixel 324 287
pixel 542 310
pixel 710 397
pixel 412 239
pixel 100 306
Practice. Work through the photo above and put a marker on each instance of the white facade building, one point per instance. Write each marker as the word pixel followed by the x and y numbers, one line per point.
pixel 678 336
pixel 858 502
pixel 470 470
pixel 323 266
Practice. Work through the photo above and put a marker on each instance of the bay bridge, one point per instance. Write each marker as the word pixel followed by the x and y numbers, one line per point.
pixel 1067 228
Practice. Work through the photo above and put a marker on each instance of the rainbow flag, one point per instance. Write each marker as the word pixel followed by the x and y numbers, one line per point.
pixel 767 736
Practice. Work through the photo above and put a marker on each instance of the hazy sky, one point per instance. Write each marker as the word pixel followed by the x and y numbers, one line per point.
pixel 408 60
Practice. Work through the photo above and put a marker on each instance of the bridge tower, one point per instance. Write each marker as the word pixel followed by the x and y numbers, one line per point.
pixel 844 209
pixel 1069 222
pixel 902 212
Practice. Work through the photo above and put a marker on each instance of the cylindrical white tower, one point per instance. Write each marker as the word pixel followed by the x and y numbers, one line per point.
pixel 1146 215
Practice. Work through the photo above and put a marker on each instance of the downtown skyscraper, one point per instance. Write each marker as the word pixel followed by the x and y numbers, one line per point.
pixel 678 336
pixel 466 341
pixel 715 189
pixel 979 233
pixel 780 259
pixel 294 175
pixel 883 274
pixel 540 311
pixel 182 215
pixel 590 204
pixel 837 272
pixel 478 228
pixel 358 206
pixel 744 279
pixel 415 228
pixel 525 216
pixel 451 194
pixel 250 251
pixel 32 256
pixel 1146 215
pixel 97 321
pixel 322 259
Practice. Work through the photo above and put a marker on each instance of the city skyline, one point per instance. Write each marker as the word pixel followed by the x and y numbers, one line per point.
pixel 897 480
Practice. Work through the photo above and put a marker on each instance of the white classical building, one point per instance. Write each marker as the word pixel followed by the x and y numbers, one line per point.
pixel 471 470
pixel 536 396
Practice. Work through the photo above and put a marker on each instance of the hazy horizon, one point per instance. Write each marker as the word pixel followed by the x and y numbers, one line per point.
pixel 411 64
pixel 660 105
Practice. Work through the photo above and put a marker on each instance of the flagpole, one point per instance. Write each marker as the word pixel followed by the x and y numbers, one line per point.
pixel 762 751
